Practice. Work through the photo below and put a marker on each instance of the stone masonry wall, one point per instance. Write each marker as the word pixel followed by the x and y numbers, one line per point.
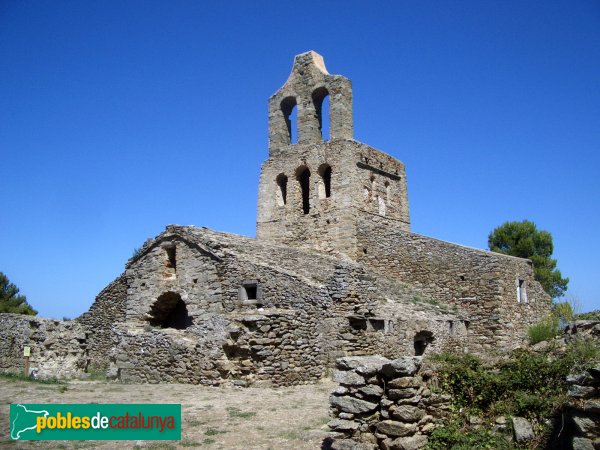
pixel 329 225
pixel 274 338
pixel 107 310
pixel 57 347
pixel 384 404
pixel 362 178
pixel 305 315
pixel 483 284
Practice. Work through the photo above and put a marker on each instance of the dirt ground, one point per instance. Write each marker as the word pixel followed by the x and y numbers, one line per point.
pixel 212 417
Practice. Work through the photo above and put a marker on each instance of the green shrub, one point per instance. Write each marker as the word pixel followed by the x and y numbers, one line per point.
pixel 529 384
pixel 470 384
pixel 456 437
pixel 581 355
pixel 543 331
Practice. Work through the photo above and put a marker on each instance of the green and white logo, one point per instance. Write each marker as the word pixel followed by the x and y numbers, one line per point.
pixel 40 422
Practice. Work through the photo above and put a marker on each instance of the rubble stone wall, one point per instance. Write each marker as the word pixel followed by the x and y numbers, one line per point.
pixel 58 347
pixel 483 284
pixel 107 310
pixel 304 316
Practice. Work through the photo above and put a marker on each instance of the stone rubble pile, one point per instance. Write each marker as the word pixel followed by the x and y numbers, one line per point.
pixel 383 403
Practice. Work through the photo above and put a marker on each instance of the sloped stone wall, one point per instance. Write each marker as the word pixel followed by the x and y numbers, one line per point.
pixel 384 404
pixel 107 310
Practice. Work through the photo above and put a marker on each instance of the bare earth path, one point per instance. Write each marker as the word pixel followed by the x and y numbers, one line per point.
pixel 213 418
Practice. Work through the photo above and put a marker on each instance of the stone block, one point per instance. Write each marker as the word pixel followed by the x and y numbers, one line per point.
pixel 343 425
pixel 349 444
pixel 352 405
pixel 348 378
pixel 580 443
pixel 403 382
pixel 522 429
pixel 577 391
pixel 402 367
pixel 395 428
pixel 407 413
pixel 353 362
pixel 588 425
pixel 396 394
pixel 371 390
pixel 415 442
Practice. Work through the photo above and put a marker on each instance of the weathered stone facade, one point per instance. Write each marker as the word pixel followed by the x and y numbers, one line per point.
pixel 334 271
pixel 258 311
pixel 310 192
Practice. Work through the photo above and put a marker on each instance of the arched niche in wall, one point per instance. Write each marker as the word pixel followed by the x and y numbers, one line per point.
pixel 170 311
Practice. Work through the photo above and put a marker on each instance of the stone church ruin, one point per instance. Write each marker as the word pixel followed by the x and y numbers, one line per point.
pixel 334 271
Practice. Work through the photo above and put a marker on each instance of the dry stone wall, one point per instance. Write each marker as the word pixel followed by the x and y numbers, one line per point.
pixel 382 403
pixel 58 348
pixel 583 411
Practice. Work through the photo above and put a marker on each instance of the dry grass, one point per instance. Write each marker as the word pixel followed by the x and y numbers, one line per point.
pixel 213 418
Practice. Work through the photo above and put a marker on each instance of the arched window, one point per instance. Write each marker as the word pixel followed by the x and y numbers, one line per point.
pixel 282 191
pixel 320 97
pixel 288 108
pixel 170 311
pixel 303 177
pixel 325 181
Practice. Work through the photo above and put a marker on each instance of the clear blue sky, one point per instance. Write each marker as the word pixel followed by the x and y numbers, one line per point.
pixel 120 117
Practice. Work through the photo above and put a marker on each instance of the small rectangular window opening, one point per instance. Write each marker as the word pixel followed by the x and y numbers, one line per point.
pixel 357 323
pixel 251 291
pixel 521 291
pixel 171 257
pixel 450 327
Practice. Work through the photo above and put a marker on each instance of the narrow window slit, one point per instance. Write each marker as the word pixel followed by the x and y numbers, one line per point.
pixel 288 108
pixel 282 180
pixel 303 177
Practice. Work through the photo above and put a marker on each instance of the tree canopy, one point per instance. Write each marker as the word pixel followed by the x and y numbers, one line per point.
pixel 11 301
pixel 524 240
